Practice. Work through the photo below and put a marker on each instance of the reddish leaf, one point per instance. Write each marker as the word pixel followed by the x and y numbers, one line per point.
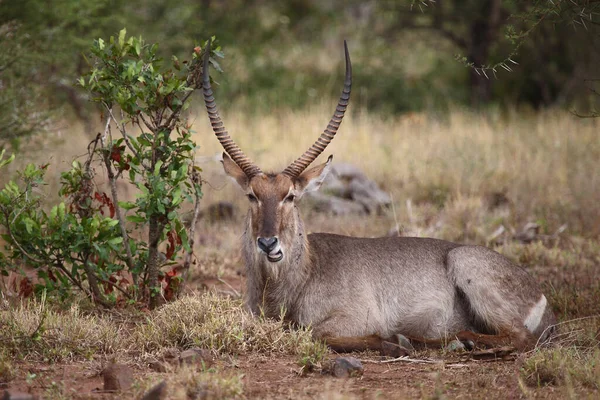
pixel 25 287
pixel 116 153
pixel 172 238
pixel 104 200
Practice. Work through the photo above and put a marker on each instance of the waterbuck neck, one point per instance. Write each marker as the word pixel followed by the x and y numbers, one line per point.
pixel 276 285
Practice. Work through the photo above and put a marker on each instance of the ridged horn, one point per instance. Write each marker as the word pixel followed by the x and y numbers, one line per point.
pixel 234 151
pixel 296 168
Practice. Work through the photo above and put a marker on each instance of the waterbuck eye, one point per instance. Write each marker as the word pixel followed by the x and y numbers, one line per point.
pixel 252 198
pixel 290 198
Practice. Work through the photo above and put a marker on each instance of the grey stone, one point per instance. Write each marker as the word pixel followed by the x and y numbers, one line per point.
pixel 393 350
pixel 347 190
pixel 344 367
pixel 117 377
pixel 198 356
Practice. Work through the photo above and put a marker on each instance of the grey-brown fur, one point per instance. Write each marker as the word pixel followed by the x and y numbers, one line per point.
pixel 428 288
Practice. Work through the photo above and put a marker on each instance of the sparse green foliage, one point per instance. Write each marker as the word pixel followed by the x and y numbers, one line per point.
pixel 128 74
pixel 68 246
pixel 76 244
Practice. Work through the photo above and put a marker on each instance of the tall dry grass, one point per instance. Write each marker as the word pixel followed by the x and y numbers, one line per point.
pixel 545 163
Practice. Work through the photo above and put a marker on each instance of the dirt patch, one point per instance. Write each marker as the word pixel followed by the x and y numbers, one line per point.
pixel 279 377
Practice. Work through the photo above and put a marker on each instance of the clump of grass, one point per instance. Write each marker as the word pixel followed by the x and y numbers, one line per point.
pixel 34 330
pixel 218 323
pixel 563 366
pixel 311 355
pixel 188 383
pixel 7 369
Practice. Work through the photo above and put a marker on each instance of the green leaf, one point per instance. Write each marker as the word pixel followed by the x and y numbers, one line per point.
pixel 111 222
pixel 122 34
pixel 28 224
pixel 127 205
pixel 116 240
pixel 136 218
pixel 8 160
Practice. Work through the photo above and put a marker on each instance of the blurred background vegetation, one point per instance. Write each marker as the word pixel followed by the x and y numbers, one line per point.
pixel 408 55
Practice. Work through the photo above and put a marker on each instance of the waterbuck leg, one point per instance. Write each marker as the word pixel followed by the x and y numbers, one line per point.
pixel 347 344
pixel 478 339
pixel 520 340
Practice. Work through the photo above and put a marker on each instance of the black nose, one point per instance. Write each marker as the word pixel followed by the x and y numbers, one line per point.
pixel 267 244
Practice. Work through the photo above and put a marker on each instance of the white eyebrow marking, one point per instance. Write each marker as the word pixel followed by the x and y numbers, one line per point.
pixel 288 193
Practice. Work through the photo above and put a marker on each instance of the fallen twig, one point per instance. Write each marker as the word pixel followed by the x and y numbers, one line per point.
pixel 403 359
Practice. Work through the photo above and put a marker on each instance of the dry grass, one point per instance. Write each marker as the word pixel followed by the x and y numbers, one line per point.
pixel 563 366
pixel 221 324
pixel 34 331
pixel 542 162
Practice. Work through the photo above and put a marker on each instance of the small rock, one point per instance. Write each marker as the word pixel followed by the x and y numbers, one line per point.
pixel 170 353
pixel 196 355
pixel 158 392
pixel 393 350
pixel 17 396
pixel 117 377
pixel 159 366
pixel 404 342
pixel 343 367
pixel 455 345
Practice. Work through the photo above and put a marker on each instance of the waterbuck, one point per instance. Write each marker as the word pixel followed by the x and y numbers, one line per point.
pixel 356 293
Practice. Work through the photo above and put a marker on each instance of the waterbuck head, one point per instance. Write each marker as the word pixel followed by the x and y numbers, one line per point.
pixel 274 224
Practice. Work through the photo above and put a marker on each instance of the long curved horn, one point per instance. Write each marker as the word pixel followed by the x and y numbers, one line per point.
pixel 236 154
pixel 296 168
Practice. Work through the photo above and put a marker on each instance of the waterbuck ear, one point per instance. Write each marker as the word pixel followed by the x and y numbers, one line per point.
pixel 234 171
pixel 311 179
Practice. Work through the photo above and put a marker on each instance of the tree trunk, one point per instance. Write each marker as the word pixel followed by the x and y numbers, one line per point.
pixel 479 51
pixel 483 32
pixel 154 231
